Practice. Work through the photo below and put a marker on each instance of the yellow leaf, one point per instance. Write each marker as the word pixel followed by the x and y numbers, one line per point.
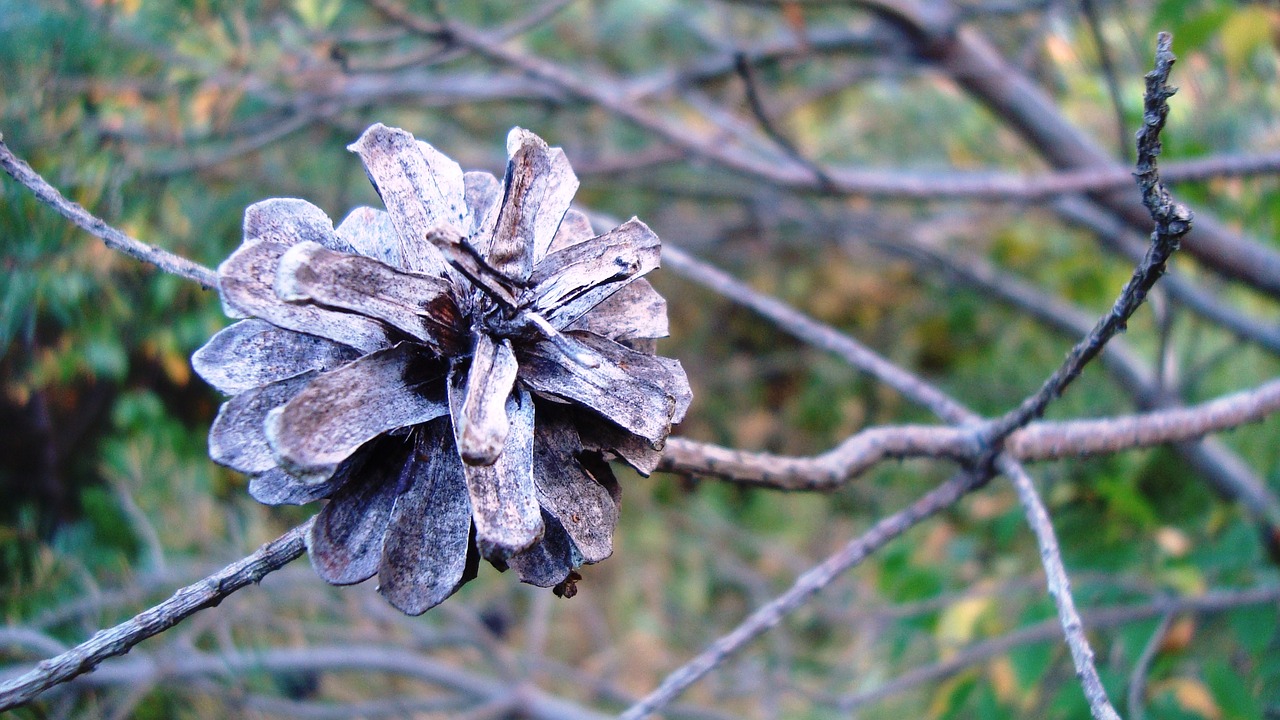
pixel 1004 681
pixel 1191 695
pixel 1186 579
pixel 1179 635
pixel 176 368
pixel 958 623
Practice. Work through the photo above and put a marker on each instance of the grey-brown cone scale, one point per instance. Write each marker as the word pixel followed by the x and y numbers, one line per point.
pixel 451 373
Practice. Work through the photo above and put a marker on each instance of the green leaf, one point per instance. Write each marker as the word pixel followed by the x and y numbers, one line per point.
pixel 1231 692
pixel 1255 627
pixel 1192 28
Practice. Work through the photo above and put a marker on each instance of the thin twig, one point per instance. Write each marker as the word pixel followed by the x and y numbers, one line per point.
pixel 754 101
pixel 1172 222
pixel 210 155
pixel 972 61
pixel 185 602
pixel 813 580
pixel 1050 440
pixel 1219 466
pixel 1060 590
pixel 1094 22
pixel 357 657
pixel 395 707
pixel 116 240
pixel 826 471
pixel 1212 602
pixel 438 56
pixel 1037 442
pixel 1138 678
pixel 819 335
pixel 389 85
pixel 677 681
pixel 977 185
pixel 874 41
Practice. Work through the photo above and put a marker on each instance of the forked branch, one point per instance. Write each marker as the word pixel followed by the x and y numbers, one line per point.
pixel 1172 222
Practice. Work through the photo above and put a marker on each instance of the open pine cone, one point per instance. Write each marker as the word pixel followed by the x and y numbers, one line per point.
pixel 452 373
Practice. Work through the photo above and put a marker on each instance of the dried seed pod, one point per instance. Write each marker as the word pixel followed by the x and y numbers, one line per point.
pixel 449 372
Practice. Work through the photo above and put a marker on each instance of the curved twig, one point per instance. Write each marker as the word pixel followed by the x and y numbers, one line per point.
pixel 116 240
pixel 1172 222
pixel 1212 461
pixel 1060 590
pixel 770 614
pixel 185 602
pixel 356 657
pixel 1137 692
pixel 973 63
pixel 1036 442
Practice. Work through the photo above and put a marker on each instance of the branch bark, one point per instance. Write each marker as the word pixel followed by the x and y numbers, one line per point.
pixel 770 614
pixel 1060 590
pixel 1172 223
pixel 114 239
pixel 189 600
pixel 1036 442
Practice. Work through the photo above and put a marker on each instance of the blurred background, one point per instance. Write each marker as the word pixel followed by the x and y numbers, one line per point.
pixel 737 130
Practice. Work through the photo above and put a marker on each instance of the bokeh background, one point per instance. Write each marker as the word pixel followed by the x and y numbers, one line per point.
pixel 169 118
